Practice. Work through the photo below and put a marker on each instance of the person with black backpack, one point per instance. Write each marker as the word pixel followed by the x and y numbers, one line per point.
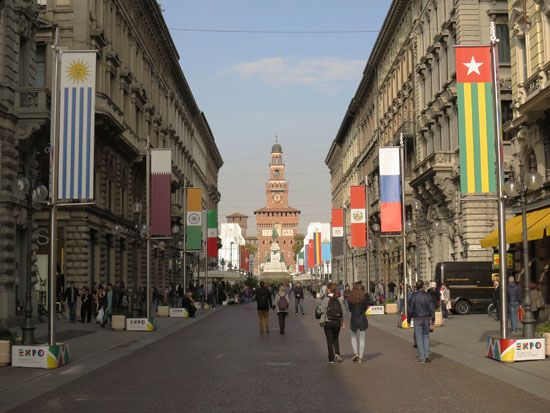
pixel 263 299
pixel 331 312
pixel 281 305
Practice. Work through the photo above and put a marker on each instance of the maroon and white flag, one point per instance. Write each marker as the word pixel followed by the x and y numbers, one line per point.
pixel 161 173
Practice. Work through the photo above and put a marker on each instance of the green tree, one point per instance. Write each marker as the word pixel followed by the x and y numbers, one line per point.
pixel 298 243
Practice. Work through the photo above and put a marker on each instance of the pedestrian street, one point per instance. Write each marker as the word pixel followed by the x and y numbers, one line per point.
pixel 220 363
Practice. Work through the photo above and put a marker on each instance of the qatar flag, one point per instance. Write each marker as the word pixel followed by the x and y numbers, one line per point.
pixel 161 173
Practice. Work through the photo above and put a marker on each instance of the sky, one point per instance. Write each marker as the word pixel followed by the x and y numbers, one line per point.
pixel 253 86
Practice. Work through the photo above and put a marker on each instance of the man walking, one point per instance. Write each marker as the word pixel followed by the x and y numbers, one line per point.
pixel 298 298
pixel 263 299
pixel 422 310
pixel 514 300
pixel 71 295
pixel 86 306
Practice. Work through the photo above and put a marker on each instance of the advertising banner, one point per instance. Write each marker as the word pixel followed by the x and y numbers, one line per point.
pixel 511 350
pixel 139 324
pixel 40 356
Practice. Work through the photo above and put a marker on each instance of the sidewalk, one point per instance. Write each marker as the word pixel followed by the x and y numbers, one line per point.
pixel 463 339
pixel 91 347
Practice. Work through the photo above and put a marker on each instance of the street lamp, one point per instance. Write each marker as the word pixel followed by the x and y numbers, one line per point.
pixel 175 232
pixel 530 181
pixel 231 256
pixel 34 192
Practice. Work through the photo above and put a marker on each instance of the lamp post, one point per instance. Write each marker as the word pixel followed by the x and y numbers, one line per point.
pixel 175 232
pixel 530 181
pixel 231 256
pixel 33 192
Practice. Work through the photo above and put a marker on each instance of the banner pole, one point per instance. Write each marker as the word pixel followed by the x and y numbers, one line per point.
pixel 403 220
pixel 367 258
pixel 184 260
pixel 52 308
pixel 148 222
pixel 500 180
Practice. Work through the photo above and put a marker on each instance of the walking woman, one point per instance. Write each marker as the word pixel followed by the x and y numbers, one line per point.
pixel 358 303
pixel 332 310
pixel 281 304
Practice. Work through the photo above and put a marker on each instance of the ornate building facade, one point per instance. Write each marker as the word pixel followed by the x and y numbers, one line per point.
pixel 277 220
pixel 408 92
pixel 528 129
pixel 141 92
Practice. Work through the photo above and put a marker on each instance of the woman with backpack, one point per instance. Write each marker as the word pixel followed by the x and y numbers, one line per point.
pixel 281 305
pixel 358 304
pixel 331 313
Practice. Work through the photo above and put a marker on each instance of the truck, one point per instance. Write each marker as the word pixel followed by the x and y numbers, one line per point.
pixel 470 284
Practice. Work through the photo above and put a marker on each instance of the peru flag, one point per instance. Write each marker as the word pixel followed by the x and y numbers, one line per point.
pixel 161 173
pixel 390 189
pixel 358 220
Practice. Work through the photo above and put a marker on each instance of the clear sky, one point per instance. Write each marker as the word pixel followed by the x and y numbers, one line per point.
pixel 252 86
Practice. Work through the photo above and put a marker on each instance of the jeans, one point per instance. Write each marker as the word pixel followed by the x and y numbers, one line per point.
pixel 422 336
pixel 263 318
pixel 86 312
pixel 401 305
pixel 72 311
pixel 332 333
pixel 358 336
pixel 513 314
pixel 282 315
pixel 299 305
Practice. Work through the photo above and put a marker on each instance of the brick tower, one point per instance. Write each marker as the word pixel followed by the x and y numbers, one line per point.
pixel 276 217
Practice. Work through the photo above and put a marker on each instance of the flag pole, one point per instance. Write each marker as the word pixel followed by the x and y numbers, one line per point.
pixel 184 260
pixel 403 219
pixel 148 222
pixel 52 309
pixel 500 179
pixel 205 240
pixel 367 258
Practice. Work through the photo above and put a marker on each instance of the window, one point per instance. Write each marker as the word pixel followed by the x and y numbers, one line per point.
pixel 503 43
pixel 24 61
pixel 522 55
pixel 40 79
pixel 506 111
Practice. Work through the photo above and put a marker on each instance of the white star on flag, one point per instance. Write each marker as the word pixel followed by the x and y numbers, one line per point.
pixel 473 66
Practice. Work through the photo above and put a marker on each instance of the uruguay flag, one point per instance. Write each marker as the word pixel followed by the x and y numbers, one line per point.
pixel 390 189
pixel 76 125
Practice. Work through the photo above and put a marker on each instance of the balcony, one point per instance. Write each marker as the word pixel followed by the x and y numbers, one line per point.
pixel 535 91
pixel 32 103
pixel 437 162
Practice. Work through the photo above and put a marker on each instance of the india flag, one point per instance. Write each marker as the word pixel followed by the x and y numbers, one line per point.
pixel 193 230
pixel 476 119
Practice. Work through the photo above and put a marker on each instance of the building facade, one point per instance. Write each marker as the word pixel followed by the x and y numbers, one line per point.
pixel 277 220
pixel 408 93
pixel 141 92
pixel 528 129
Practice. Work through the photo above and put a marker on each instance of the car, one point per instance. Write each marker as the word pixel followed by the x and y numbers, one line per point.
pixel 470 284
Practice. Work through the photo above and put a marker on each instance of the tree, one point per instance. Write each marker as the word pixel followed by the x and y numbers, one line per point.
pixel 252 249
pixel 298 243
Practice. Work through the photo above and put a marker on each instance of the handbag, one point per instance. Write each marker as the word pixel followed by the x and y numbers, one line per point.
pixel 100 315
pixel 318 312
pixel 448 305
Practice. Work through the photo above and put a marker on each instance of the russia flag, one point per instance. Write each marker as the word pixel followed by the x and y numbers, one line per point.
pixel 390 190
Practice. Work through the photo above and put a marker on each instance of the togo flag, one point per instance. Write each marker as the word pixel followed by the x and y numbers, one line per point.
pixel 76 125
pixel 475 119
pixel 193 230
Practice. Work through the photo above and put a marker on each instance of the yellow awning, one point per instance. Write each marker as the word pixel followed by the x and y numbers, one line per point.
pixel 538 223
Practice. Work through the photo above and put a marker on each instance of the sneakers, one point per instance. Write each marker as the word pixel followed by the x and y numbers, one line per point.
pixel 355 357
pixel 338 358
pixel 360 360
pixel 331 362
pixel 428 360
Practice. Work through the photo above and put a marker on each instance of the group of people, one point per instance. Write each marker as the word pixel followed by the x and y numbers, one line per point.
pixel 100 302
pixel 515 300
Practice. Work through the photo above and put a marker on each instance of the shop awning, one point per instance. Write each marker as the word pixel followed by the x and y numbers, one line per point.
pixel 538 224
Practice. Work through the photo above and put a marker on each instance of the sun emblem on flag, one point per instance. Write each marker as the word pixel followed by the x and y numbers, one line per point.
pixel 78 71
pixel 358 216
